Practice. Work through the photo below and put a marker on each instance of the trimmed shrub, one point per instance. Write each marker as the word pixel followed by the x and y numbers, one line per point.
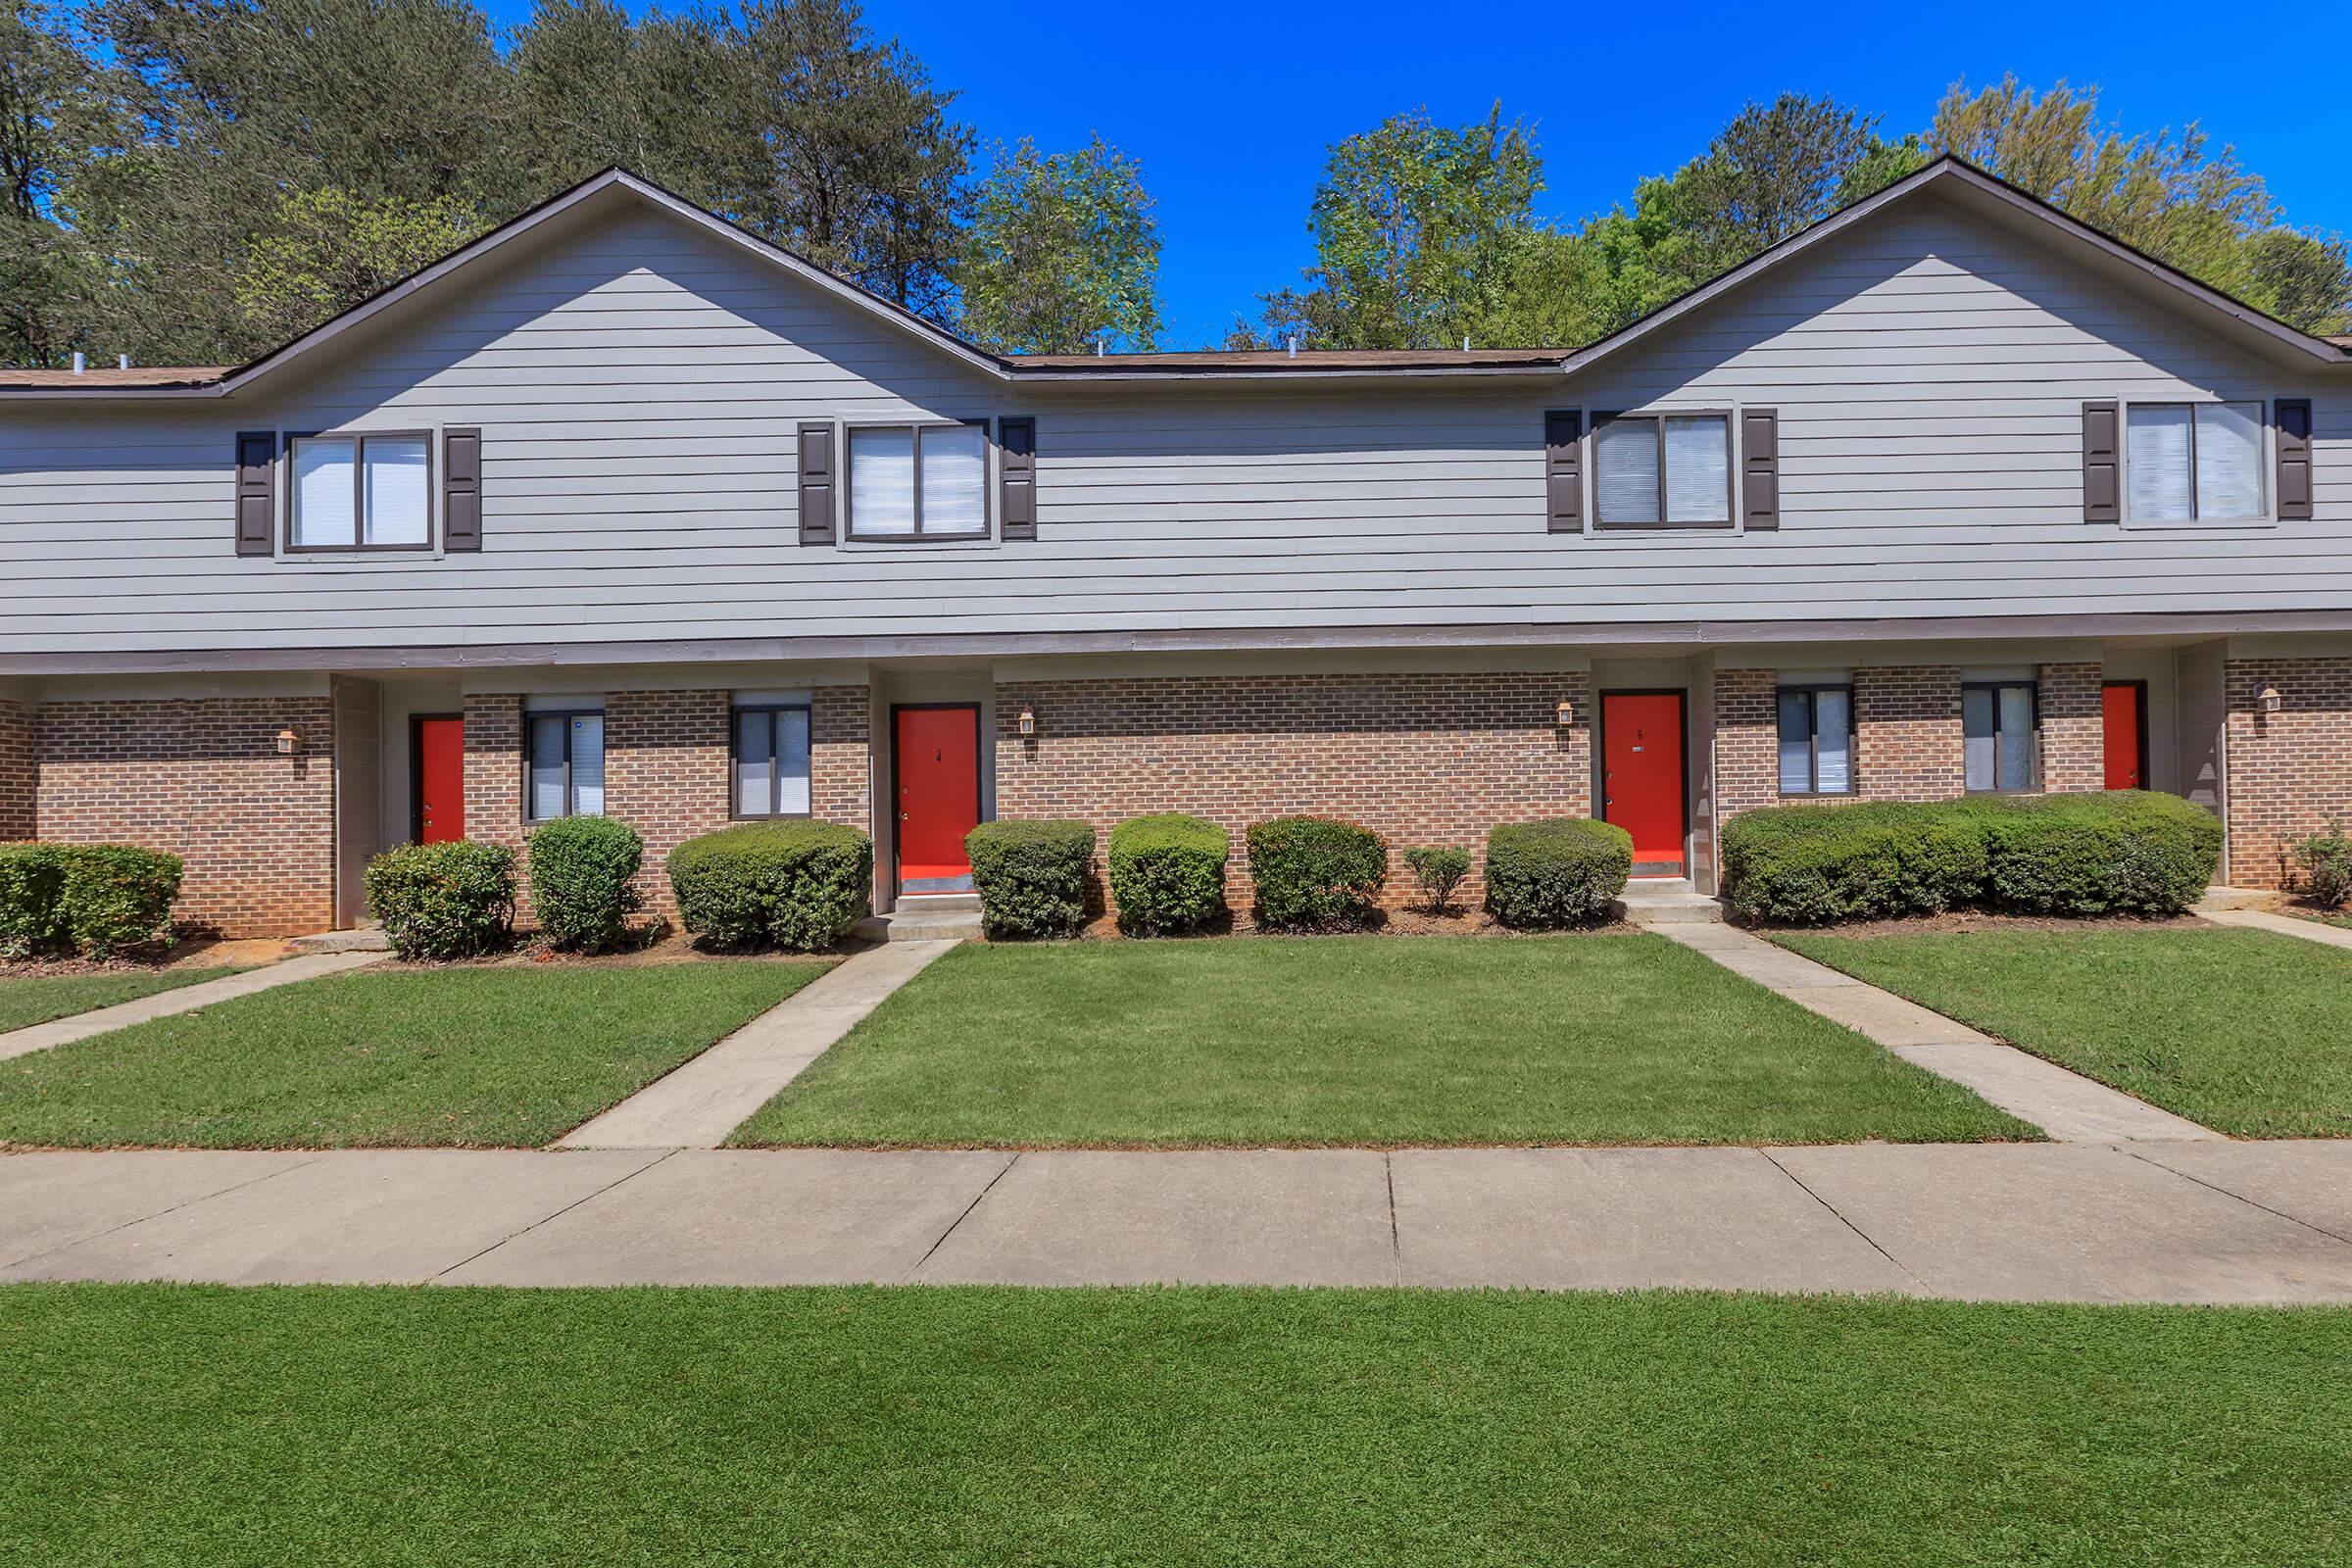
pixel 32 878
pixel 797 885
pixel 2115 852
pixel 1563 870
pixel 1031 876
pixel 2324 859
pixel 1438 872
pixel 443 901
pixel 1313 873
pixel 583 880
pixel 1167 874
pixel 1876 860
pixel 115 896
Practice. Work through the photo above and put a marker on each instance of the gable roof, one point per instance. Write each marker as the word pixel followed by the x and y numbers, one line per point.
pixel 1949 176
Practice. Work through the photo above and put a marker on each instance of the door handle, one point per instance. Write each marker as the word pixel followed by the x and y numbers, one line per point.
pixel 905 816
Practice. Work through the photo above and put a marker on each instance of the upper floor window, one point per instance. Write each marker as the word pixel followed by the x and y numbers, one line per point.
pixel 1660 470
pixel 919 481
pixel 361 492
pixel 772 762
pixel 1997 736
pixel 2195 462
pixel 1817 740
pixel 567 765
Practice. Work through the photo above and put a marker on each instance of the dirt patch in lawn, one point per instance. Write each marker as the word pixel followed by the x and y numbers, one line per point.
pixel 195 952
pixel 1962 921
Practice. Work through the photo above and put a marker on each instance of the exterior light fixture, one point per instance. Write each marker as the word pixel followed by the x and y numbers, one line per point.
pixel 288 743
pixel 1028 723
pixel 2270 698
pixel 1566 712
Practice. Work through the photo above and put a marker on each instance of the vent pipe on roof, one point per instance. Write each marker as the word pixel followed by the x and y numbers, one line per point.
pixel 1293 345
pixel 1100 350
pixel 121 362
pixel 78 362
pixel 1465 345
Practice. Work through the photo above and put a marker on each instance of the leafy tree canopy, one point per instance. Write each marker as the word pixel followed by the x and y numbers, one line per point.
pixel 1062 252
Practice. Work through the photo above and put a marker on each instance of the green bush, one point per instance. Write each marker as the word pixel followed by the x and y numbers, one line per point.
pixel 1563 870
pixel 443 901
pixel 115 896
pixel 583 880
pixel 31 877
pixel 2116 851
pixel 2325 860
pixel 797 885
pixel 1167 874
pixel 1031 876
pixel 1438 871
pixel 1313 873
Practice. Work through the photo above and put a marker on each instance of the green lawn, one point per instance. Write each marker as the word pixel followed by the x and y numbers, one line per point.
pixel 2248 1032
pixel 151 1425
pixel 479 1056
pixel 25 1003
pixel 1365 1040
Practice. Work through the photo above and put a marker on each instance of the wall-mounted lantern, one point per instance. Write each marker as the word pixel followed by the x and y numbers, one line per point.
pixel 2270 699
pixel 1566 713
pixel 1028 723
pixel 288 743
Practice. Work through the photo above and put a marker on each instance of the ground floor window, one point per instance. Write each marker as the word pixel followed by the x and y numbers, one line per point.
pixel 1997 726
pixel 1817 740
pixel 772 762
pixel 567 765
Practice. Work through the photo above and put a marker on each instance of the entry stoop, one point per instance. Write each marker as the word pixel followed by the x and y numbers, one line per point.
pixel 2221 898
pixel 925 918
pixel 1664 903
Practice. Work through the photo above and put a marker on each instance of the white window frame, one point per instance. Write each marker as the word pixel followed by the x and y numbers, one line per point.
pixel 2265 463
pixel 359 439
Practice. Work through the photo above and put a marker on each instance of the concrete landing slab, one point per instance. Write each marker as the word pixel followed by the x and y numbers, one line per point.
pixel 186 999
pixel 2305 1178
pixel 49 1200
pixel 2286 925
pixel 707 1097
pixel 1622 1219
pixel 1317 1216
pixel 787 1216
pixel 2067 1222
pixel 344 1217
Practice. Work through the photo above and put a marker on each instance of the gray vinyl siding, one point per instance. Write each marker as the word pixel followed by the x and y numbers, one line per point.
pixel 639 391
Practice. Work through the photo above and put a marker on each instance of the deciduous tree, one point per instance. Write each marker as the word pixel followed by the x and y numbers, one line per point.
pixel 1062 252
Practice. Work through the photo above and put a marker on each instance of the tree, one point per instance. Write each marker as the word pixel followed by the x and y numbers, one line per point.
pixel 1775 169
pixel 1414 225
pixel 2300 279
pixel 55 111
pixel 1062 250
pixel 327 250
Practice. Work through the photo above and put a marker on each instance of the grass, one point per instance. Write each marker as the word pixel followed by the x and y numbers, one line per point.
pixel 497 1057
pixel 1365 1040
pixel 2248 1032
pixel 38 999
pixel 180 1425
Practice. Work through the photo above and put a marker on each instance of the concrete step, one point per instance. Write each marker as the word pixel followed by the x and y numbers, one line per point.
pixel 2232 899
pixel 1661 903
pixel 361 939
pixel 920 925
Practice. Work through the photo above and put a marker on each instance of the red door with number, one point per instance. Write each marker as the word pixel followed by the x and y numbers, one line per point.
pixel 1642 776
pixel 440 781
pixel 939 796
pixel 2127 736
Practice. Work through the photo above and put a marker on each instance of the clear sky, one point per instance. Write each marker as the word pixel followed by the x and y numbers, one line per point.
pixel 1230 104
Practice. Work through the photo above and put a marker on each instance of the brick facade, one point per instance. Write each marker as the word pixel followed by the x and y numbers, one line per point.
pixel 1907 733
pixel 1423 759
pixel 840 755
pixel 2290 772
pixel 1747 742
pixel 204 780
pixel 18 767
pixel 2073 732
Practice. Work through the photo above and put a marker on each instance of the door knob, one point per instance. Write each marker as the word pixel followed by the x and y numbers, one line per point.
pixel 905 816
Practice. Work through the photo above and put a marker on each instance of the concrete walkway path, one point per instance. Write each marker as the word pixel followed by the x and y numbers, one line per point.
pixel 186 999
pixel 710 1096
pixel 2286 925
pixel 2066 1105
pixel 2186 1222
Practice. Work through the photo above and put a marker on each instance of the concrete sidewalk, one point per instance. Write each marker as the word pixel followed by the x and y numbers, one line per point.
pixel 184 999
pixel 2190 1222
pixel 2286 925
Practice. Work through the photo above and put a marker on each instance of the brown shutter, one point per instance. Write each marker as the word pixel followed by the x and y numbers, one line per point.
pixel 1760 467
pixel 256 492
pixel 2102 464
pixel 1016 476
pixel 2294 416
pixel 819 481
pixel 461 490
pixel 1564 470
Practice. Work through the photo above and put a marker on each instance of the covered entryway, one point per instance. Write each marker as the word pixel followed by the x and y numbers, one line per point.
pixel 935 782
pixel 1644 782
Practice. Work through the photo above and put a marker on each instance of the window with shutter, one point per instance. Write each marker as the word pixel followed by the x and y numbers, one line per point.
pixel 1671 471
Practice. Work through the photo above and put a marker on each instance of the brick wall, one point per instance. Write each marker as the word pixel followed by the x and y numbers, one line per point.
pixel 2290 772
pixel 840 747
pixel 1907 733
pixel 1747 742
pixel 17 767
pixel 1433 759
pixel 2074 734
pixel 203 779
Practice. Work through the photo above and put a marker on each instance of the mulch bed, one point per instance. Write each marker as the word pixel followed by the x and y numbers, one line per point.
pixel 1411 922
pixel 190 953
pixel 1962 921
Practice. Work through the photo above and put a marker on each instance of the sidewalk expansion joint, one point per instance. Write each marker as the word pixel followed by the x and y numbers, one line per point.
pixel 436 1276
pixel 169 1208
pixel 2296 1219
pixel 1868 1240
pixel 952 1225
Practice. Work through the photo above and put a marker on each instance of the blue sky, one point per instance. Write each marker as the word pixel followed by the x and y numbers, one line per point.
pixel 1230 104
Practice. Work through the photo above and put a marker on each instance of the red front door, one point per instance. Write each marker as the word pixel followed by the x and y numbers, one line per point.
pixel 1642 776
pixel 2126 731
pixel 939 796
pixel 440 781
